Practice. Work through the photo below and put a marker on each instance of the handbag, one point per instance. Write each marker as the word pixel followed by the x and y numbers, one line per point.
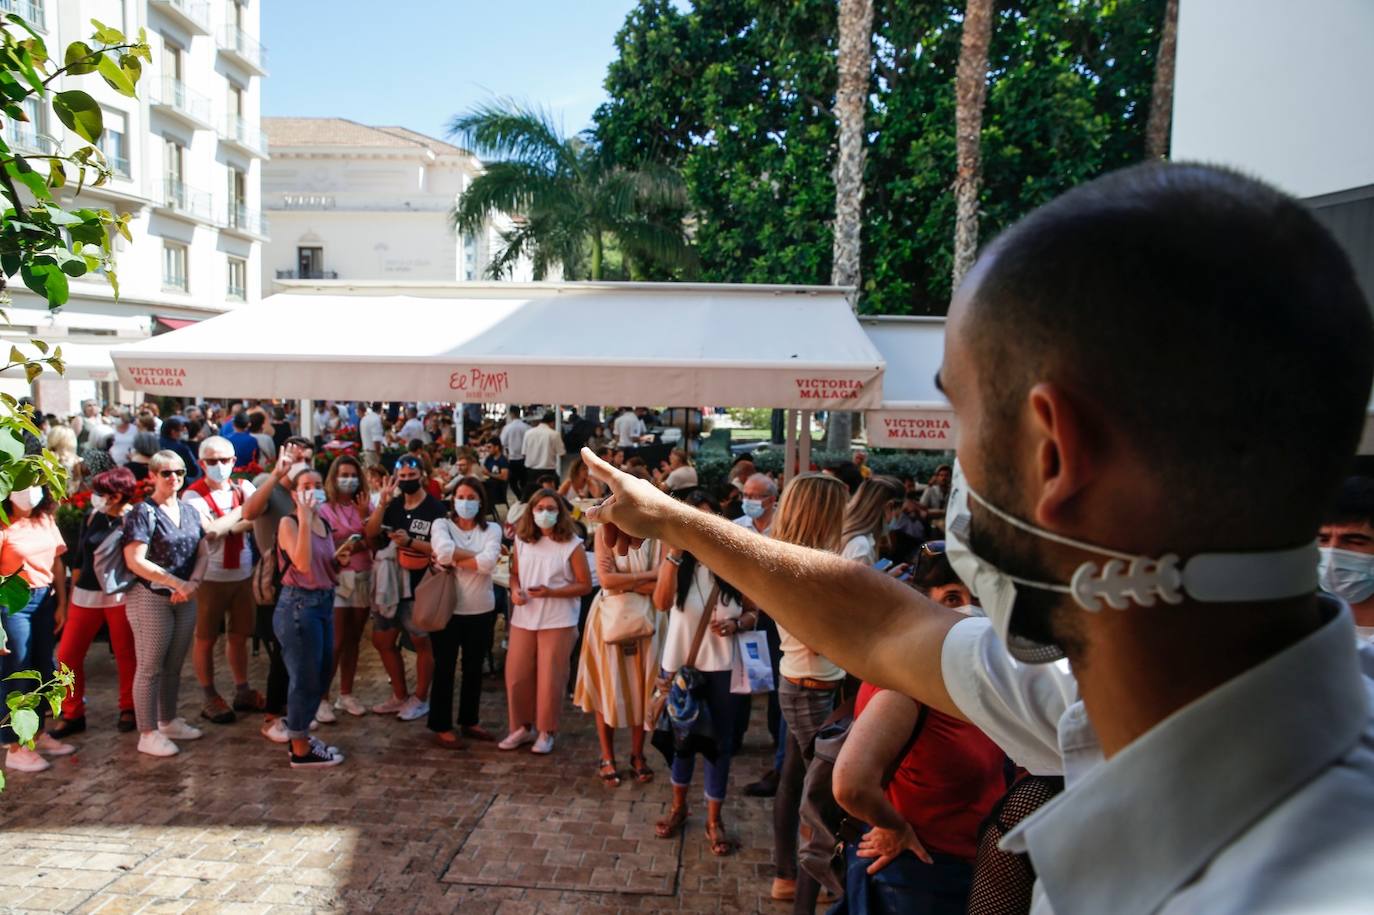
pixel 752 671
pixel 678 715
pixel 625 617
pixel 436 600
pixel 111 571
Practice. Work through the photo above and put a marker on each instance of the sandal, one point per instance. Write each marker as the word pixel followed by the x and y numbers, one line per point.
pixel 643 774
pixel 217 711
pixel 721 842
pixel 610 779
pixel 251 701
pixel 448 740
pixel 671 825
pixel 127 721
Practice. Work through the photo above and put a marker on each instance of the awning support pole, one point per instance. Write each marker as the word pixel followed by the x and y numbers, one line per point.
pixel 307 412
pixel 804 455
pixel 789 463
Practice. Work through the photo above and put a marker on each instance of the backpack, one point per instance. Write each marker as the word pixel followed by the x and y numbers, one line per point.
pixel 825 826
pixel 111 571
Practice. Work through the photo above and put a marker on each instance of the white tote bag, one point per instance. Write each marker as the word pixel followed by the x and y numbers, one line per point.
pixel 753 668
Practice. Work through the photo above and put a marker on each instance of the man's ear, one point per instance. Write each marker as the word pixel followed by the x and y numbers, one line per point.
pixel 1066 457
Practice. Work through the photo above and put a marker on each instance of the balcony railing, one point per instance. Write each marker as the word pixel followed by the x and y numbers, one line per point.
pixel 239 131
pixel 234 40
pixel 118 164
pixel 31 10
pixel 26 138
pixel 188 201
pixel 236 293
pixel 174 282
pixel 307 274
pixel 192 13
pixel 188 103
pixel 307 201
pixel 245 220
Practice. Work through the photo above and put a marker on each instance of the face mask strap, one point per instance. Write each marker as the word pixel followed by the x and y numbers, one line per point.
pixel 1044 534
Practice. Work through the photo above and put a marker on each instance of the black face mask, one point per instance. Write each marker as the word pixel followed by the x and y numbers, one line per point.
pixel 409 487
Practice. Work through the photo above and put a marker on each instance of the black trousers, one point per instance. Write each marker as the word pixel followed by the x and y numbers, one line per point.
pixel 470 636
pixel 515 478
pixel 277 678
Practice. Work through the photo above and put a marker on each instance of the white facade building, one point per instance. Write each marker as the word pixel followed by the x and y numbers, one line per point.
pixel 187 156
pixel 354 202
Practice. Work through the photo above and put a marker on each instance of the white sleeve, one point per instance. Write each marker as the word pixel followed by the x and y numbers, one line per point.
pixel 490 554
pixel 1018 706
pixel 859 549
pixel 441 542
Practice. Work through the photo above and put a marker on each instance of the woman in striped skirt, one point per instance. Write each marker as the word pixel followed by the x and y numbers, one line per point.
pixel 614 681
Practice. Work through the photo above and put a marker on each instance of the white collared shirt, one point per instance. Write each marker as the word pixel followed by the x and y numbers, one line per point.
pixel 1258 797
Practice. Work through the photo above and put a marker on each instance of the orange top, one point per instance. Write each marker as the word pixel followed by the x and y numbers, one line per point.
pixel 29 546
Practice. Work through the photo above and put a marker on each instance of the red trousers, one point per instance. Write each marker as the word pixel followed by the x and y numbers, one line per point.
pixel 82 625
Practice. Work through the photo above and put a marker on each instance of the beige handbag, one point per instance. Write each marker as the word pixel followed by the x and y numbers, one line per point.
pixel 436 599
pixel 625 617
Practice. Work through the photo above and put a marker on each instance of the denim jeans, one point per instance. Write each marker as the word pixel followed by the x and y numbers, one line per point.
pixel 304 624
pixel 725 708
pixel 907 886
pixel 31 641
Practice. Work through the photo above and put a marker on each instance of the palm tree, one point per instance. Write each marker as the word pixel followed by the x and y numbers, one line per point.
pixel 970 94
pixel 1162 98
pixel 568 200
pixel 855 32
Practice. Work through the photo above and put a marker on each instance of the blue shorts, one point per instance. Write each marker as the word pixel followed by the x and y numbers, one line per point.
pixel 402 620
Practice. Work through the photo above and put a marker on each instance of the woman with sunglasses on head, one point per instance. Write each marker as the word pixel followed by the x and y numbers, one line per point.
pixel 934 577
pixel 161 540
pixel 346 509
pixel 548 576
pixel 687 590
pixel 811 514
pixel 31 547
pixel 469 541
pixel 91 607
pixel 867 517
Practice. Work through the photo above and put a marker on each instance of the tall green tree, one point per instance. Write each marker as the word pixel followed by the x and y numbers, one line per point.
pixel 738 93
pixel 571 202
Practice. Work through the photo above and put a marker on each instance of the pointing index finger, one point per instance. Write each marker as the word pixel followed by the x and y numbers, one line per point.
pixel 599 468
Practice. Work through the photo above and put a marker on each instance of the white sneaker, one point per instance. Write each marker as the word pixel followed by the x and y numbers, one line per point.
pixel 22 759
pixel 544 744
pixel 390 706
pixel 46 743
pixel 347 703
pixel 516 738
pixel 178 729
pixel 414 707
pixel 325 713
pixel 156 743
pixel 275 730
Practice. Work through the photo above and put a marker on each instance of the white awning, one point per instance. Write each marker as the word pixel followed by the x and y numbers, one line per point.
pixel 84 361
pixel 606 343
pixel 913 414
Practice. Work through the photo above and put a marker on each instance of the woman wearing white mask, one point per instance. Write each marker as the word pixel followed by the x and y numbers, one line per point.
pixel 91 607
pixel 31 547
pixel 161 546
pixel 304 618
pixel 872 508
pixel 470 542
pixel 346 509
pixel 548 576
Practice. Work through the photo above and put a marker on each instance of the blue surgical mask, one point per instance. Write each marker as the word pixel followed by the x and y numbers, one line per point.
pixel 752 507
pixel 219 472
pixel 1346 574
pixel 347 485
pixel 546 519
pixel 467 509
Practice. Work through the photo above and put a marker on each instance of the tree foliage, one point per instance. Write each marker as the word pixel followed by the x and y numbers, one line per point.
pixel 738 95
pixel 569 199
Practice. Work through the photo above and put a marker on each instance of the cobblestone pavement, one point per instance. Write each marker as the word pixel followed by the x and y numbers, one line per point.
pixel 402 826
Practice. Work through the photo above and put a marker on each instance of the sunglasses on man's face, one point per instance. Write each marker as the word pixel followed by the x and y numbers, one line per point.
pixel 168 474
pixel 218 460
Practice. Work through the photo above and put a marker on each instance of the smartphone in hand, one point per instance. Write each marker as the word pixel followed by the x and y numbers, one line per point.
pixel 882 565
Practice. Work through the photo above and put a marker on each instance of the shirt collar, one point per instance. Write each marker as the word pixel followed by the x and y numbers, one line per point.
pixel 1142 824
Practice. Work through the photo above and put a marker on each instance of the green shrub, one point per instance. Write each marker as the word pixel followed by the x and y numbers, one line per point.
pixel 714 467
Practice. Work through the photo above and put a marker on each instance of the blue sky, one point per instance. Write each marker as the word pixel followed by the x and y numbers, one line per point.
pixel 416 63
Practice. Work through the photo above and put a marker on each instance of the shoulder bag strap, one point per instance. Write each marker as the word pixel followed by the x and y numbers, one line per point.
pixel 707 609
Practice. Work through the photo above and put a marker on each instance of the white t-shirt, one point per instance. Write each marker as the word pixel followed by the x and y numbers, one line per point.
pixel 123 444
pixel 414 429
pixel 747 522
pixel 97 433
pixel 224 500
pixel 717 651
pixel 860 548
pixel 513 439
pixel 546 562
pixel 543 448
pixel 628 428
pixel 681 478
pixel 371 432
pixel 474 586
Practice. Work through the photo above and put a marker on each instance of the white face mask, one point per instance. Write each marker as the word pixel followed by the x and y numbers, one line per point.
pixel 26 499
pixel 752 507
pixel 546 519
pixel 1346 574
pixel 1120 582
pixel 347 485
pixel 99 503
pixel 220 473
pixel 467 509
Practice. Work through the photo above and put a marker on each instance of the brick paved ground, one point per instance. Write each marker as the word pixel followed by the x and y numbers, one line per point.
pixel 401 827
